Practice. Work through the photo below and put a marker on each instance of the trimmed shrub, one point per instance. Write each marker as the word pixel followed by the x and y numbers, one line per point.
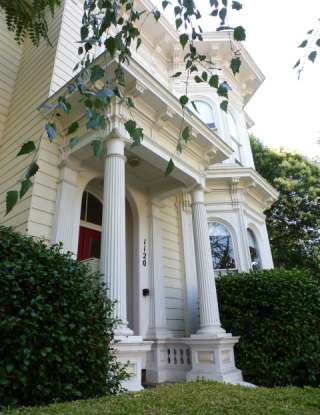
pixel 56 326
pixel 277 315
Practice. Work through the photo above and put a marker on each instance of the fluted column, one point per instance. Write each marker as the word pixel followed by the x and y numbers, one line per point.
pixel 157 317
pixel 67 212
pixel 113 238
pixel 208 302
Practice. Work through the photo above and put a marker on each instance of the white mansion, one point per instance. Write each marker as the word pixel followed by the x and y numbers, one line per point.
pixel 158 240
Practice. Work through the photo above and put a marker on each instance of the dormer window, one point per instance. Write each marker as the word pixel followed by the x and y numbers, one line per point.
pixel 205 113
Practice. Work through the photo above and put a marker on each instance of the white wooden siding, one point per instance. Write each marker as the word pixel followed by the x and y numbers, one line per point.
pixel 172 267
pixel 30 88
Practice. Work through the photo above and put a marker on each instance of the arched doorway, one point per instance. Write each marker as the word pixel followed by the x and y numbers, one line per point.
pixel 89 246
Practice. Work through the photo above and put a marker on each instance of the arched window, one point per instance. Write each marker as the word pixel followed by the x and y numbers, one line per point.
pixel 91 209
pixel 205 113
pixel 254 250
pixel 221 247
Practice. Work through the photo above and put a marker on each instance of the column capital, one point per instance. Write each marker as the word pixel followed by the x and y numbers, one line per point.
pixel 198 195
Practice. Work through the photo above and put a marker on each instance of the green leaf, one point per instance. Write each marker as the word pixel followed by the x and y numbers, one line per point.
pixel 236 5
pixel 51 131
pixel 183 40
pixel 312 56
pixel 27 148
pixel 64 104
pixel 235 65
pixel 186 133
pixel 73 142
pixel 239 34
pixel 25 186
pixel 214 81
pixel 176 75
pixel 73 127
pixel 297 64
pixel 222 90
pixel 303 44
pixel 165 3
pixel 170 167
pixel 111 45
pixel 32 170
pixel 204 76
pixel 97 148
pixel 96 73
pixel 194 106
pixel 156 14
pixel 11 200
pixel 318 43
pixel 197 79
pixel 178 23
pixel 224 106
pixel 183 100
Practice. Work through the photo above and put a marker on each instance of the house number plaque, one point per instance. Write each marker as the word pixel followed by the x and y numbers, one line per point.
pixel 144 254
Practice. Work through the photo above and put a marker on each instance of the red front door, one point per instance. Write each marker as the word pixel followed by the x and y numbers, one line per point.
pixel 89 243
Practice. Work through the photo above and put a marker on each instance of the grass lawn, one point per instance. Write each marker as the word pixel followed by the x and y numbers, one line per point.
pixel 193 398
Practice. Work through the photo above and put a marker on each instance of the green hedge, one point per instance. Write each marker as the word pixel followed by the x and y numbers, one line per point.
pixel 277 315
pixel 56 326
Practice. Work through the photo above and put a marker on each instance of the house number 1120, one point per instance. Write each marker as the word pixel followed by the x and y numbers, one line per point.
pixel 144 254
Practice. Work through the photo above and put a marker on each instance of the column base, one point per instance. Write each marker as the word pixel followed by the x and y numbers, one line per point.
pixel 213 358
pixel 132 351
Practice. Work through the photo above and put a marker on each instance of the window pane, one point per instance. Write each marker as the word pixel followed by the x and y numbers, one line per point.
pixel 221 247
pixel 254 252
pixel 95 248
pixel 205 113
pixel 94 210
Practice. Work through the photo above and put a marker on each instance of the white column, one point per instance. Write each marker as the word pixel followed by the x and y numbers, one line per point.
pixel 157 317
pixel 67 211
pixel 113 238
pixel 208 302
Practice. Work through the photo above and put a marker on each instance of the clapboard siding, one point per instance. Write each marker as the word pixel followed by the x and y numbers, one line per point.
pixel 10 54
pixel 172 267
pixel 30 87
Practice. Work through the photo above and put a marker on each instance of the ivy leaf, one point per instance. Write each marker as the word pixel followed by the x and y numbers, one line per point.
pixel 84 32
pixel 183 39
pixel 224 106
pixel 156 14
pixel 170 167
pixel 204 75
pixel 111 45
pixel 186 133
pixel 303 44
pixel 239 34
pixel 222 91
pixel 222 15
pixel 297 64
pixel 27 148
pixel 176 75
pixel 183 100
pixel 165 3
pixel 96 73
pixel 73 127
pixel 11 200
pixel 318 43
pixel 236 5
pixel 32 170
pixel 73 142
pixel 312 56
pixel 97 148
pixel 235 65
pixel 178 23
pixel 64 104
pixel 135 133
pixel 25 186
pixel 214 81
pixel 51 131
pixel 197 79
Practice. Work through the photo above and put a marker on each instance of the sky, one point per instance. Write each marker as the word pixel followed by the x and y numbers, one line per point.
pixel 285 110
